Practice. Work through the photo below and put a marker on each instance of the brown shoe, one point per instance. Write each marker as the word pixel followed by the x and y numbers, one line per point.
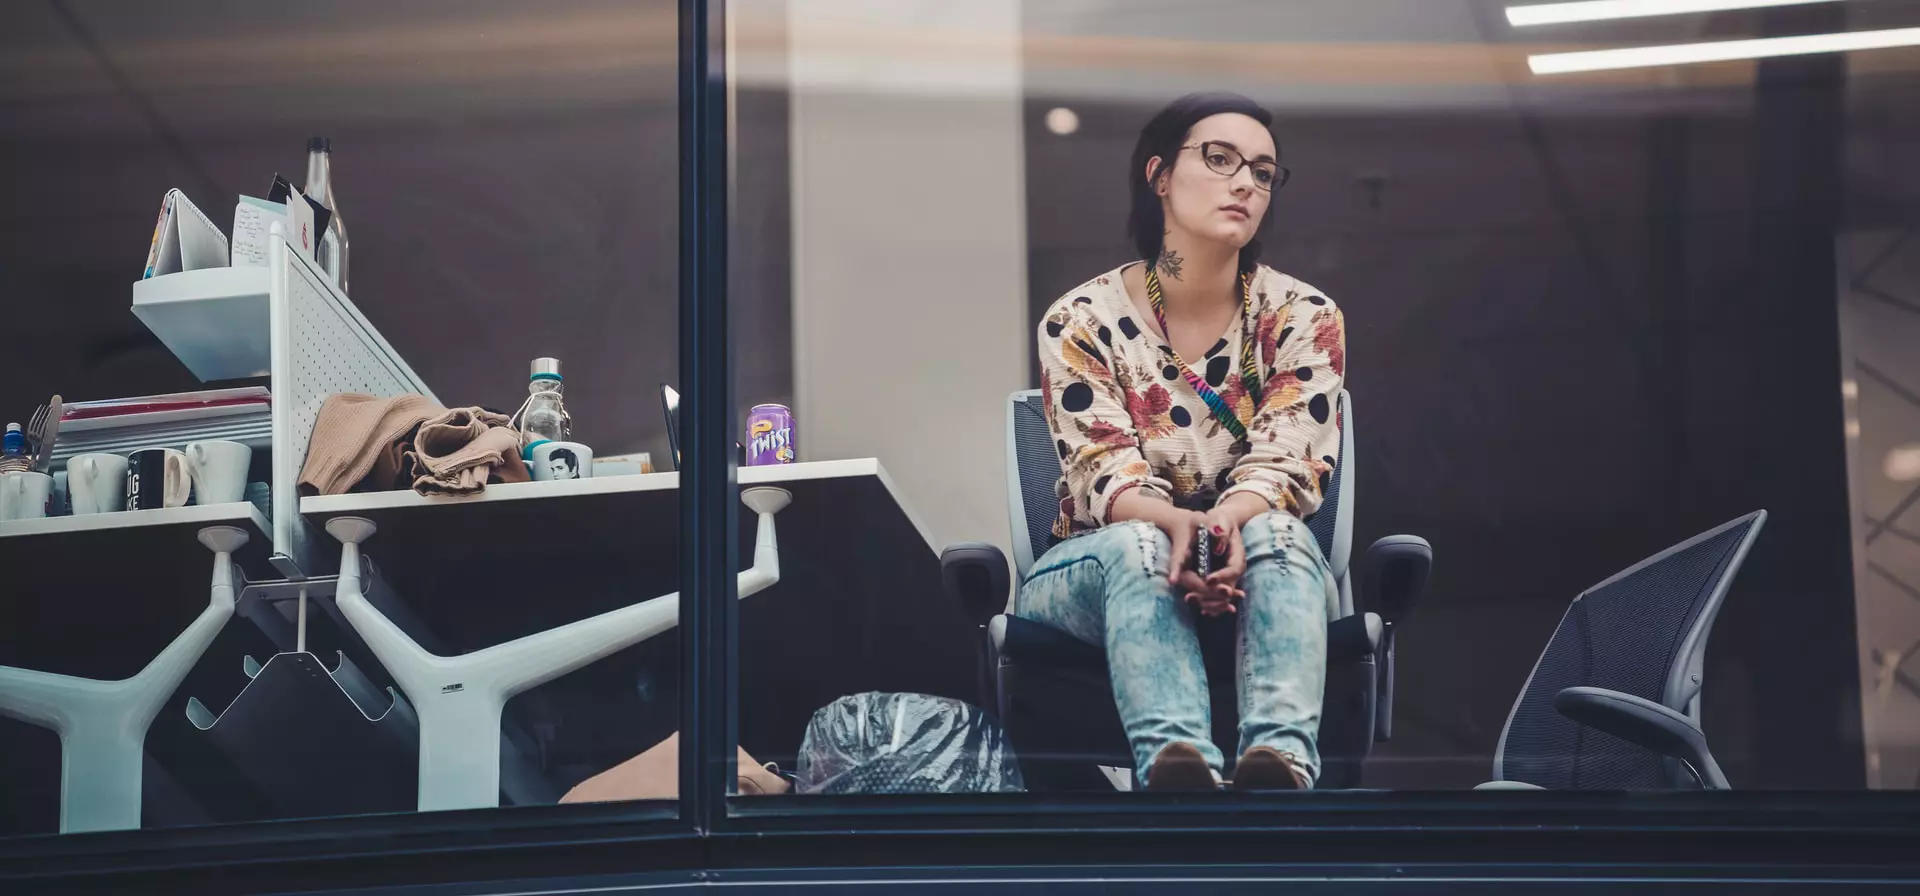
pixel 1265 768
pixel 1180 769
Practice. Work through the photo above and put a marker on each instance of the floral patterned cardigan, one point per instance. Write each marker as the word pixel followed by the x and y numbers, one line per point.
pixel 1124 416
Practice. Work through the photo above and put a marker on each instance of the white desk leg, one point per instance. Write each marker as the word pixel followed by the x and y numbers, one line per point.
pixel 459 699
pixel 103 724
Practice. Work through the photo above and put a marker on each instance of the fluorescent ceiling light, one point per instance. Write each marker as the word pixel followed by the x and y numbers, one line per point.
pixel 1062 120
pixel 1602 10
pixel 1721 51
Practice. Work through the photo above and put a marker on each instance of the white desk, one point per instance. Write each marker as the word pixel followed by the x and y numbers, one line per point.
pixel 857 606
pixel 98 595
pixel 89 595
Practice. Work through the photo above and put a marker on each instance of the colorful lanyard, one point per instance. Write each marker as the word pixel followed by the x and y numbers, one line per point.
pixel 1249 374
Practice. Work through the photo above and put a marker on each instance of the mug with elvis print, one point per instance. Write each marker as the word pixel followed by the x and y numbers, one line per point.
pixel 560 460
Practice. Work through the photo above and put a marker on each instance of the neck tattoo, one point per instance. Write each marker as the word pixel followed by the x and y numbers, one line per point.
pixel 1169 263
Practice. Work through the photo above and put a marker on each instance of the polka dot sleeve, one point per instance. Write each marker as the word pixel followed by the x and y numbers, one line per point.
pixel 1307 345
pixel 1093 431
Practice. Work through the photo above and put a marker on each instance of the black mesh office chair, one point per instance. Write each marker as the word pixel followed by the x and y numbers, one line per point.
pixel 1051 690
pixel 1614 701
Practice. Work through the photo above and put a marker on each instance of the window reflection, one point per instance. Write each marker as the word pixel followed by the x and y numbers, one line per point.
pixel 1566 299
pixel 1414 415
pixel 398 580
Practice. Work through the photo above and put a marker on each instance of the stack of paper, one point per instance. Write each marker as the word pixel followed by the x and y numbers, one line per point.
pixel 123 425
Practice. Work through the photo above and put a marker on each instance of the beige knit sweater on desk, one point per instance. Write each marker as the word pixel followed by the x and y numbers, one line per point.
pixel 407 441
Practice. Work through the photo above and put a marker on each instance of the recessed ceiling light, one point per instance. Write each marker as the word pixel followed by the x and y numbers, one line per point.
pixel 1602 10
pixel 1721 51
pixel 1061 120
pixel 1903 463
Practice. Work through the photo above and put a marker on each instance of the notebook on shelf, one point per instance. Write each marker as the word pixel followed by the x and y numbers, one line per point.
pixel 184 239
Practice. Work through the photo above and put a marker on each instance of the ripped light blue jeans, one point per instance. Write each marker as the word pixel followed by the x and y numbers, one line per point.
pixel 1109 587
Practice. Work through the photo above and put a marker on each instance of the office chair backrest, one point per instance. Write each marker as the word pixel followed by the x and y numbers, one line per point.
pixel 1643 632
pixel 1035 465
pixel 1033 502
pixel 1332 524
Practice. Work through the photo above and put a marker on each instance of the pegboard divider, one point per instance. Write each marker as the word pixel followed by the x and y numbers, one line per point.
pixel 320 345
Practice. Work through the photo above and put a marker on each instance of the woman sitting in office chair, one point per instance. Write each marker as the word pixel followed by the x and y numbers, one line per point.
pixel 1193 392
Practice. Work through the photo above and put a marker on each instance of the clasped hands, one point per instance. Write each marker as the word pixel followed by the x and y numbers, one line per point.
pixel 1218 591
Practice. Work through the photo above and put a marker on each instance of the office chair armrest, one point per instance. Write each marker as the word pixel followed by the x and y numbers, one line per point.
pixel 1385 661
pixel 1394 575
pixel 1353 638
pixel 974 575
pixel 1644 723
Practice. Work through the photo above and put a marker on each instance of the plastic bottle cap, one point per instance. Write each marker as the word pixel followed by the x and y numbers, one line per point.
pixel 319 144
pixel 545 367
pixel 13 427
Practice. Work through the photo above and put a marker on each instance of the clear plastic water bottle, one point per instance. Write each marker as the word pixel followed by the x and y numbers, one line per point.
pixel 546 417
pixel 13 454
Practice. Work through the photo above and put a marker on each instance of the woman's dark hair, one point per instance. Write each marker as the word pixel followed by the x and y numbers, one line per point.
pixel 1163 136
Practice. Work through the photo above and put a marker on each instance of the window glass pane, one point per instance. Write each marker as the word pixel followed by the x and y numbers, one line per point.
pixel 1616 354
pixel 506 172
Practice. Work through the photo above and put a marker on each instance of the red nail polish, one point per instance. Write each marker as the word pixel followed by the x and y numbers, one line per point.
pixel 1219 532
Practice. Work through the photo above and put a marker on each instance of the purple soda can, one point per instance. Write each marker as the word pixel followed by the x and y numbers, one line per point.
pixel 769 435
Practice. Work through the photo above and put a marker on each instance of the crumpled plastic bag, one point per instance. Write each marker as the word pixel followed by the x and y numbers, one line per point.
pixel 905 743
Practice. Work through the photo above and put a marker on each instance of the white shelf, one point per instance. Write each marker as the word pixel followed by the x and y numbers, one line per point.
pixel 214 320
pixel 195 515
pixel 360 504
pixel 367 502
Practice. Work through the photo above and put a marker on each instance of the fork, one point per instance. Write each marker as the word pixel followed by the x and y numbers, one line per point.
pixel 34 423
pixel 46 434
pixel 38 420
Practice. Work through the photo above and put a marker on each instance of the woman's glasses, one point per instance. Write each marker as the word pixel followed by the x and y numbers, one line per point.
pixel 1225 160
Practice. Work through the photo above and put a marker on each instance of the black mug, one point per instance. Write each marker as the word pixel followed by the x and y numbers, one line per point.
pixel 158 477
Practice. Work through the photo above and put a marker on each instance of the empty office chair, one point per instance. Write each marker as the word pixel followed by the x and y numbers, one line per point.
pixel 1051 690
pixel 1614 701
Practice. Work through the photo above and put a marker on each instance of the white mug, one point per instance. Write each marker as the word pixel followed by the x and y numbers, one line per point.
pixel 219 471
pixel 561 460
pixel 97 483
pixel 24 495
